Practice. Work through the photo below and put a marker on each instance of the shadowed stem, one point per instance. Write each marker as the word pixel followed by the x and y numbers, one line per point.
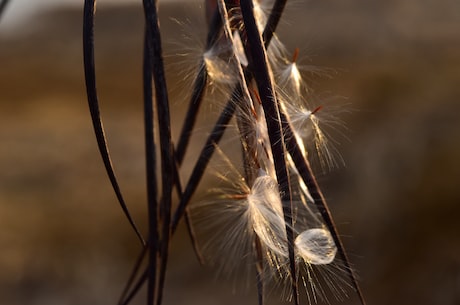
pixel 188 220
pixel 244 109
pixel 150 153
pixel 259 63
pixel 304 168
pixel 203 160
pixel 136 288
pixel 198 91
pixel 162 102
pixel 218 130
pixel 273 20
pixel 90 79
pixel 127 294
pixel 259 270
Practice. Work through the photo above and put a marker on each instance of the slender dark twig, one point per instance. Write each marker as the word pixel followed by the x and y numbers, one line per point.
pixel 188 220
pixel 304 168
pixel 156 58
pixel 248 158
pixel 90 78
pixel 198 91
pixel 161 92
pixel 124 298
pixel 150 152
pixel 259 63
pixel 136 288
pixel 273 20
pixel 215 136
pixel 259 271
pixel 203 160
pixel 152 203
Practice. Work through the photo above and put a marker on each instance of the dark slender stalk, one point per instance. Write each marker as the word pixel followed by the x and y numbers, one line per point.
pixel 198 91
pixel 161 92
pixel 259 63
pixel 3 4
pixel 259 271
pixel 188 220
pixel 136 288
pixel 304 168
pixel 124 298
pixel 153 220
pixel 90 78
pixel 192 112
pixel 273 20
pixel 215 136
pixel 203 160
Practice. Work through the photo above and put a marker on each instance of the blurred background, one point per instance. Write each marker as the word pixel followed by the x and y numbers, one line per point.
pixel 394 64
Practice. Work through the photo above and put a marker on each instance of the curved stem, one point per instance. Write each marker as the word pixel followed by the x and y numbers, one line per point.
pixel 262 75
pixel 199 86
pixel 164 123
pixel 90 79
pixel 218 130
pixel 304 168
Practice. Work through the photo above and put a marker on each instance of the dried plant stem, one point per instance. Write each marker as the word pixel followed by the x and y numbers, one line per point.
pixel 303 166
pixel 136 288
pixel 199 87
pixel 161 93
pixel 281 136
pixel 259 270
pixel 273 20
pixel 246 159
pixel 153 219
pixel 203 160
pixel 188 220
pixel 90 78
pixel 260 68
pixel 220 126
pixel 128 293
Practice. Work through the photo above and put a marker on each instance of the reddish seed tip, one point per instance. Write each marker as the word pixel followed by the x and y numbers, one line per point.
pixel 317 109
pixel 238 196
pixel 254 113
pixel 257 96
pixel 295 55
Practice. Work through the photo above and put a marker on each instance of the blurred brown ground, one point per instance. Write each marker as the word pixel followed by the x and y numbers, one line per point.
pixel 63 238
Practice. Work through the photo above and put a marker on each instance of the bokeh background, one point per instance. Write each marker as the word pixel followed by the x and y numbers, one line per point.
pixel 395 64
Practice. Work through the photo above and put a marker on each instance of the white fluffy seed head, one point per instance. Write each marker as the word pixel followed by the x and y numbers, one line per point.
pixel 290 80
pixel 219 70
pixel 265 214
pixel 316 246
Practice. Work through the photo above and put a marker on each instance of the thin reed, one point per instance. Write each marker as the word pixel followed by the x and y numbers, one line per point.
pixel 271 216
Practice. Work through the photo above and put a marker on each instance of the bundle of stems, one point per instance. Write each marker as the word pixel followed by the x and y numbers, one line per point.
pixel 281 217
